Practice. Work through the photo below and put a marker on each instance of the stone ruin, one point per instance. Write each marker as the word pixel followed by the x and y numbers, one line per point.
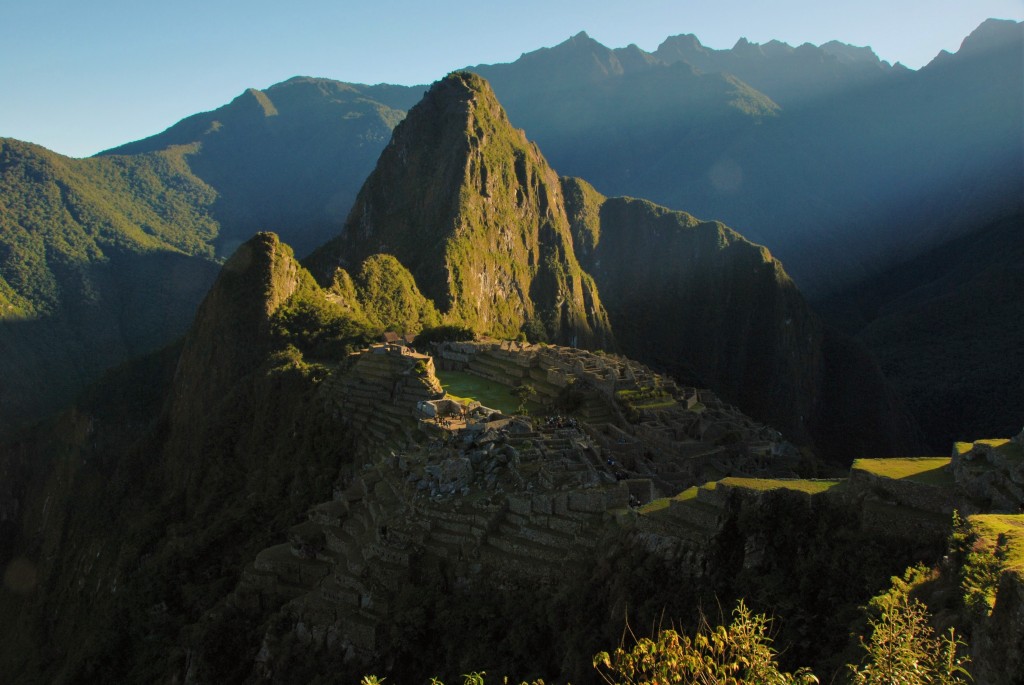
pixel 483 493
pixel 992 472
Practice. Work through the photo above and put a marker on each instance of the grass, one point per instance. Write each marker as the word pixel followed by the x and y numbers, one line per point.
pixel 962 448
pixel 990 527
pixel 663 502
pixel 463 385
pixel 925 470
pixel 811 487
pixel 1005 447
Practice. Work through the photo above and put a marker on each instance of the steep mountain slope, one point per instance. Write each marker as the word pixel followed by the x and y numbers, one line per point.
pixel 198 510
pixel 698 299
pixel 140 463
pixel 289 158
pixel 473 210
pixel 100 260
pixel 948 330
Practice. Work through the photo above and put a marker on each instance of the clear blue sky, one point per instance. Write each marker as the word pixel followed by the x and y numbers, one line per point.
pixel 79 76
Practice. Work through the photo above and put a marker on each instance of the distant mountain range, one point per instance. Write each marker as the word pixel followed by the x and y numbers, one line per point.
pixel 843 166
pixel 839 163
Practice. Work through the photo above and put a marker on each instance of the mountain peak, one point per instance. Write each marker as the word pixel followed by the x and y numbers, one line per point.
pixel 474 211
pixel 229 336
pixel 851 54
pixel 992 34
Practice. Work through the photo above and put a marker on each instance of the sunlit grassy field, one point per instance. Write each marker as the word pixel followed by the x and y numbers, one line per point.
pixel 811 487
pixel 990 526
pixel 465 385
pixel 927 470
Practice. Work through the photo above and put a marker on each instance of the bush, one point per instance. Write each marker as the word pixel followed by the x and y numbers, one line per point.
pixel 739 653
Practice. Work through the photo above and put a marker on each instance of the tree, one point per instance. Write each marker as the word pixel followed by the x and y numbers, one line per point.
pixel 523 393
pixel 903 647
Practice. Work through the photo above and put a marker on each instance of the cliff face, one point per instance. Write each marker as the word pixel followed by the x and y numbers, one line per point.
pixel 473 210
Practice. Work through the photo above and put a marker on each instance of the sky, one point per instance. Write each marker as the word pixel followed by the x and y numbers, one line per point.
pixel 80 77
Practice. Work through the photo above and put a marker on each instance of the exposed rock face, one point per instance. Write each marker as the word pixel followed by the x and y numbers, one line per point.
pixel 992 472
pixel 473 210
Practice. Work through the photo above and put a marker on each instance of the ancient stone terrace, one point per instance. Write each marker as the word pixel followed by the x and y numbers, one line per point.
pixel 655 428
pixel 992 471
pixel 379 390
pixel 511 497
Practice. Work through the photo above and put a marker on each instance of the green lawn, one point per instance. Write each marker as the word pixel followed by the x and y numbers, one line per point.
pixel 990 526
pixel 927 470
pixel 465 385
pixel 811 487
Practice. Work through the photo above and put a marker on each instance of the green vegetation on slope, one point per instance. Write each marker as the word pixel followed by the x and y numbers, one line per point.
pixel 100 260
pixel 317 325
pixel 390 298
pixel 289 158
pixel 60 216
pixel 474 212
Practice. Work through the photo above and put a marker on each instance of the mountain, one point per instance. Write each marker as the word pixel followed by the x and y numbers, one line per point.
pixel 475 213
pixel 288 158
pixel 271 500
pixel 234 509
pixel 101 260
pixel 107 258
pixel 700 301
pixel 790 76
pixel 501 244
pixel 813 174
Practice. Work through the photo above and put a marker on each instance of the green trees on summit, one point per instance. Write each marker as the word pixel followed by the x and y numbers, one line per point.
pixel 390 298
pixel 351 313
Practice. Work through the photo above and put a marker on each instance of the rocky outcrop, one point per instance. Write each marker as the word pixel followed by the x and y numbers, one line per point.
pixel 992 472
